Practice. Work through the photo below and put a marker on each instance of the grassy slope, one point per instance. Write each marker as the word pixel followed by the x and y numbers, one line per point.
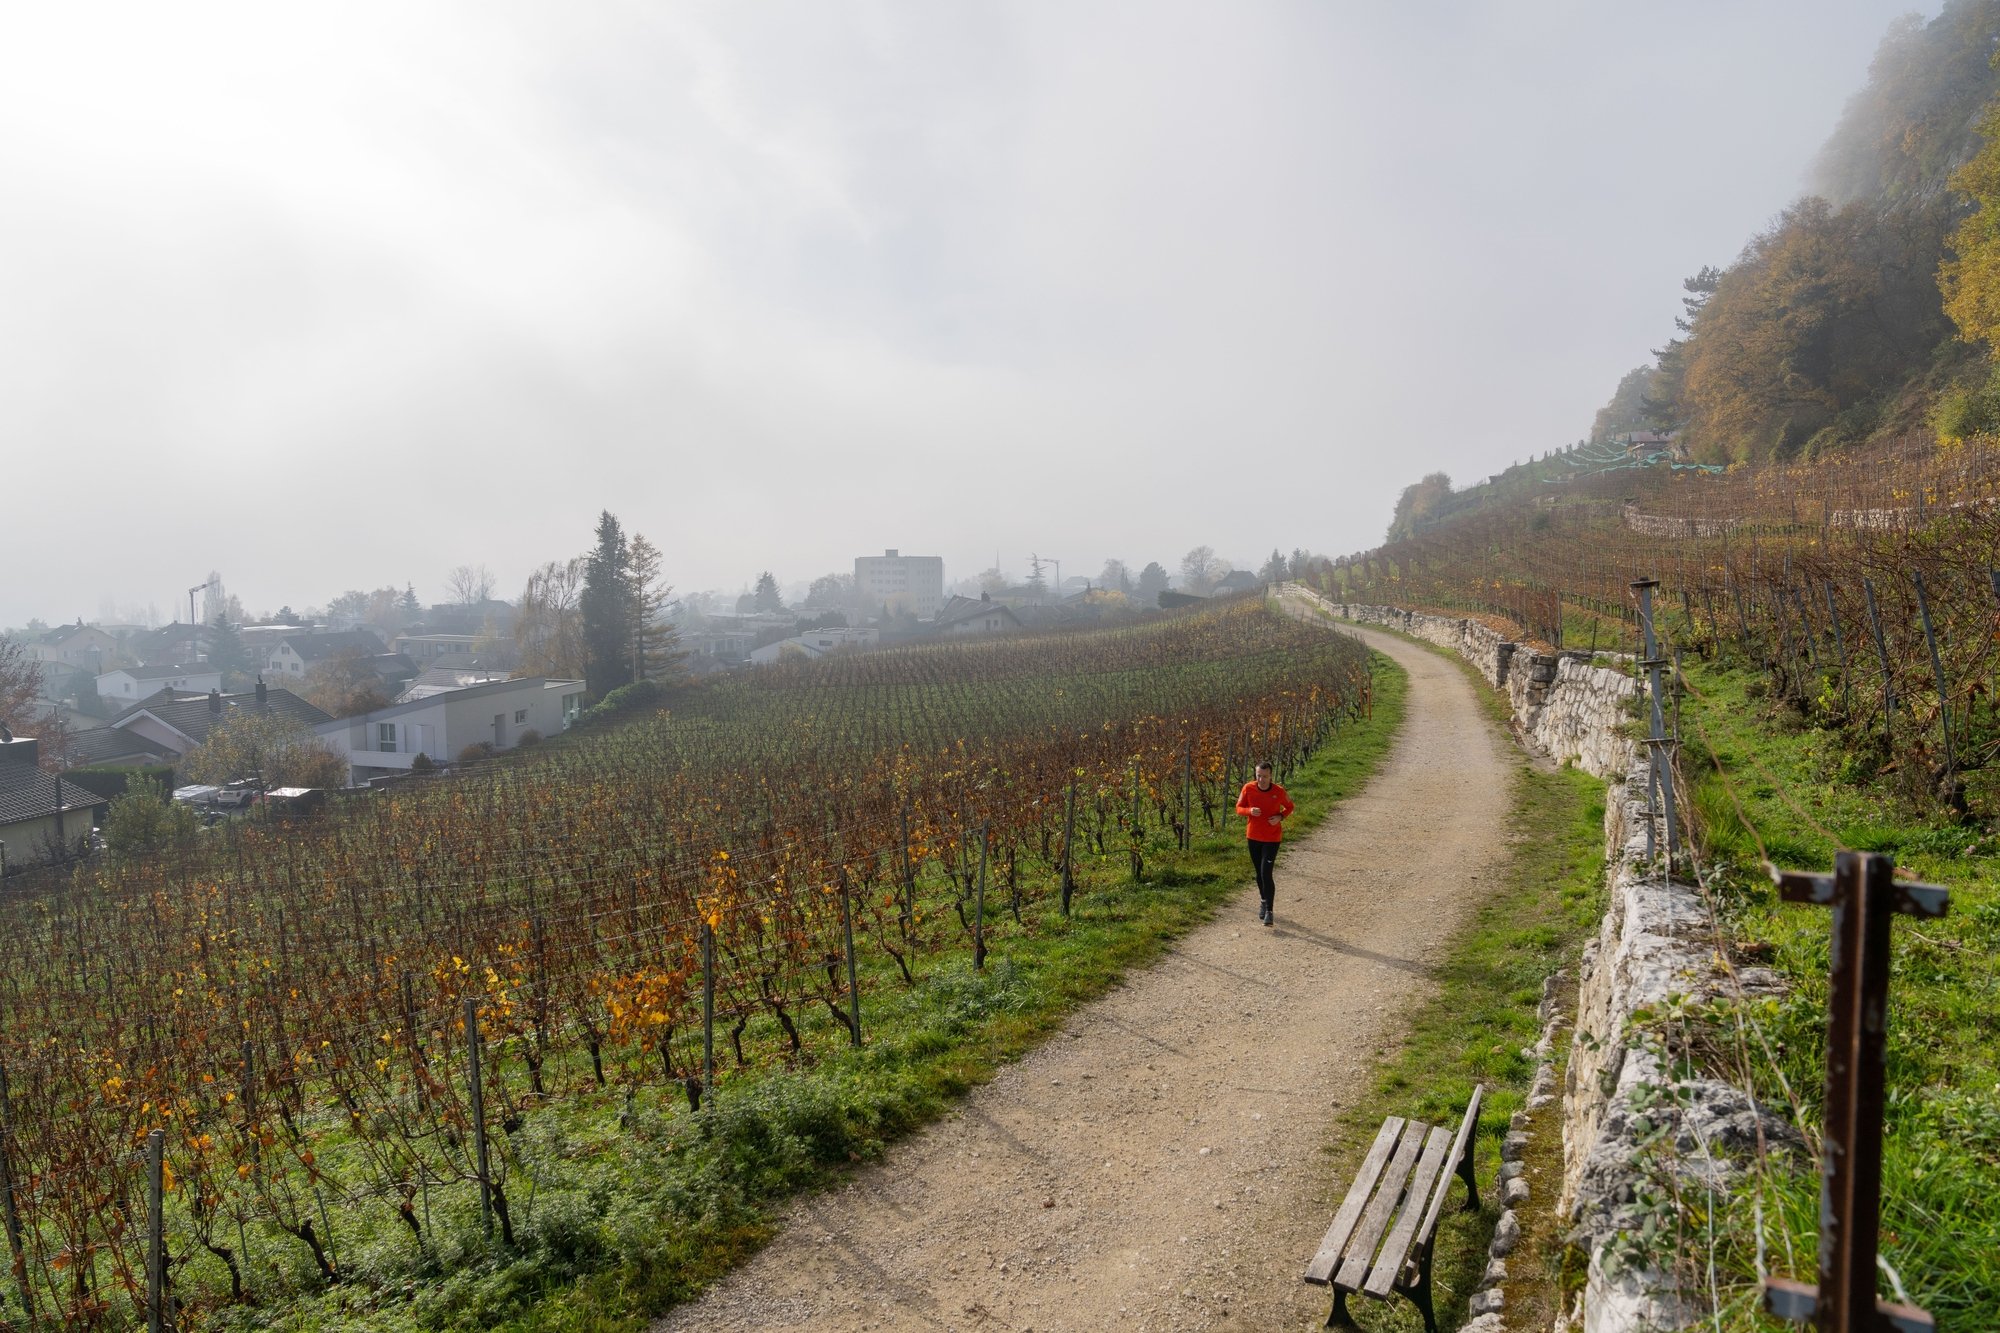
pixel 616 1223
pixel 1788 787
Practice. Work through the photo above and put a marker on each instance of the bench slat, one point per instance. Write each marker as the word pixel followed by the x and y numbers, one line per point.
pixel 1320 1270
pixel 1389 1264
pixel 1460 1146
pixel 1375 1221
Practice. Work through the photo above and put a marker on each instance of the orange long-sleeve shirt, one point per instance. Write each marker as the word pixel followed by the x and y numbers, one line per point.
pixel 1271 802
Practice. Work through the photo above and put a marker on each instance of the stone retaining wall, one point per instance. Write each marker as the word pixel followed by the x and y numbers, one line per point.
pixel 1655 942
pixel 1563 706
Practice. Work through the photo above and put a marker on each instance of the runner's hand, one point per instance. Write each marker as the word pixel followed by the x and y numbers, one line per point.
pixel 1256 809
pixel 1275 819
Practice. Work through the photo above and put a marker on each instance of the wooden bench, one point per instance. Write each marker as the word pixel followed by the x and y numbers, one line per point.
pixel 1381 1238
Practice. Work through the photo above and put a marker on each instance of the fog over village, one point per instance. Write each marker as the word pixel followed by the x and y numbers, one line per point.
pixel 1127 664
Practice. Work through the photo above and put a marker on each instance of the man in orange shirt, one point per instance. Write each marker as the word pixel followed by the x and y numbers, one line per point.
pixel 1265 805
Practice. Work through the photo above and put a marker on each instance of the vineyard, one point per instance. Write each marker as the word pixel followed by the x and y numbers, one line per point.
pixel 1866 583
pixel 387 1023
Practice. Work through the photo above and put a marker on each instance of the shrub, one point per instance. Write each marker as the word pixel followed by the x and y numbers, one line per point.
pixel 640 694
pixel 1972 410
pixel 529 737
pixel 147 819
pixel 475 752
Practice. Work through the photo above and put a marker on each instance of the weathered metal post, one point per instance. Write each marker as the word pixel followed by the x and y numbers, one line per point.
pixel 1660 763
pixel 156 1234
pixel 1840 648
pixel 478 1114
pixel 1937 670
pixel 847 930
pixel 1882 655
pixel 1864 893
pixel 908 920
pixel 1187 799
pixel 979 908
pixel 10 1209
pixel 707 1009
pixel 1069 853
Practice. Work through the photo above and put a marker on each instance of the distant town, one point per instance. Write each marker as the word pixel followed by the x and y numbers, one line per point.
pixel 226 710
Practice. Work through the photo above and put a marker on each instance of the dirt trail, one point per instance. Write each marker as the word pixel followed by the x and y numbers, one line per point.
pixel 1157 1164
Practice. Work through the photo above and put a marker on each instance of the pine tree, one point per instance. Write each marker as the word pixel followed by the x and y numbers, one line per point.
pixel 226 652
pixel 767 597
pixel 656 653
pixel 607 609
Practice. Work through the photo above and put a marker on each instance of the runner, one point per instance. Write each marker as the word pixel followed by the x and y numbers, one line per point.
pixel 1265 805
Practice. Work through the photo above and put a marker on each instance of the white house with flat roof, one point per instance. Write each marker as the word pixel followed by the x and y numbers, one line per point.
pixel 912 583
pixel 131 684
pixel 441 726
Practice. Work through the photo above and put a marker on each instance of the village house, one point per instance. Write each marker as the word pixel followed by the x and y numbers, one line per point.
pixel 77 645
pixel 42 818
pixel 172 724
pixel 815 643
pixel 441 726
pixel 298 656
pixel 966 616
pixel 131 684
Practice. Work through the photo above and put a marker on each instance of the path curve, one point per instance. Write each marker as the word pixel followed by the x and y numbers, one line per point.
pixel 1157 1163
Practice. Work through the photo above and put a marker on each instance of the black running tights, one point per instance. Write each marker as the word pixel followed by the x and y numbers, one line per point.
pixel 1264 855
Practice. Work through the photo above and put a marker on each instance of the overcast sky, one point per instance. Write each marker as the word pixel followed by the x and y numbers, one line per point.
pixel 346 295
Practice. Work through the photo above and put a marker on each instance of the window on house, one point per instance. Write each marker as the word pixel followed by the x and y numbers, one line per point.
pixel 520 716
pixel 385 736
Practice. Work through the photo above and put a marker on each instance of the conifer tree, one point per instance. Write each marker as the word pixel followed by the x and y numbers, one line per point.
pixel 607 605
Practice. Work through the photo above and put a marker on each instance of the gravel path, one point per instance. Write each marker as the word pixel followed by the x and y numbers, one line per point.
pixel 1158 1163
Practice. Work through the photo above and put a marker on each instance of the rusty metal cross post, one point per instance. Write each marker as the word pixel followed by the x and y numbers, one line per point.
pixel 1864 893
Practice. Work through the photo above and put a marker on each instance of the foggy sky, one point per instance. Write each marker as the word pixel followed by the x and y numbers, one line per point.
pixel 343 296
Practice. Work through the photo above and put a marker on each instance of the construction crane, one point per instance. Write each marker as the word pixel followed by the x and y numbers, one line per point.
pixel 1035 562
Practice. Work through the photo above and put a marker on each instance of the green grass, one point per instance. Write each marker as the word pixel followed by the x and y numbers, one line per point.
pixel 1791 794
pixel 623 1210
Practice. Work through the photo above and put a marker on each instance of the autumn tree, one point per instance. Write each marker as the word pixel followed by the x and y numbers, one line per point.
pixel 1419 500
pixel 274 749
pixel 548 624
pixel 1202 569
pixel 1627 409
pixel 469 585
pixel 20 681
pixel 1793 335
pixel 831 592
pixel 1115 576
pixel 345 685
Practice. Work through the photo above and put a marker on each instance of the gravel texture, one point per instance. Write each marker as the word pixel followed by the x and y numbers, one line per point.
pixel 1158 1164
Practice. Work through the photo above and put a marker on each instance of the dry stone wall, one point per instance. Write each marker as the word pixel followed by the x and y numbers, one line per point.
pixel 1563 706
pixel 1625 1117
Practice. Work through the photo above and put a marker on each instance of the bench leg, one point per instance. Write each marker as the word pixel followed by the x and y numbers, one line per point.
pixel 1465 1174
pixel 1339 1318
pixel 1419 1292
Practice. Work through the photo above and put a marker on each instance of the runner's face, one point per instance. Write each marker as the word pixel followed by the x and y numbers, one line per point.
pixel 1263 779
